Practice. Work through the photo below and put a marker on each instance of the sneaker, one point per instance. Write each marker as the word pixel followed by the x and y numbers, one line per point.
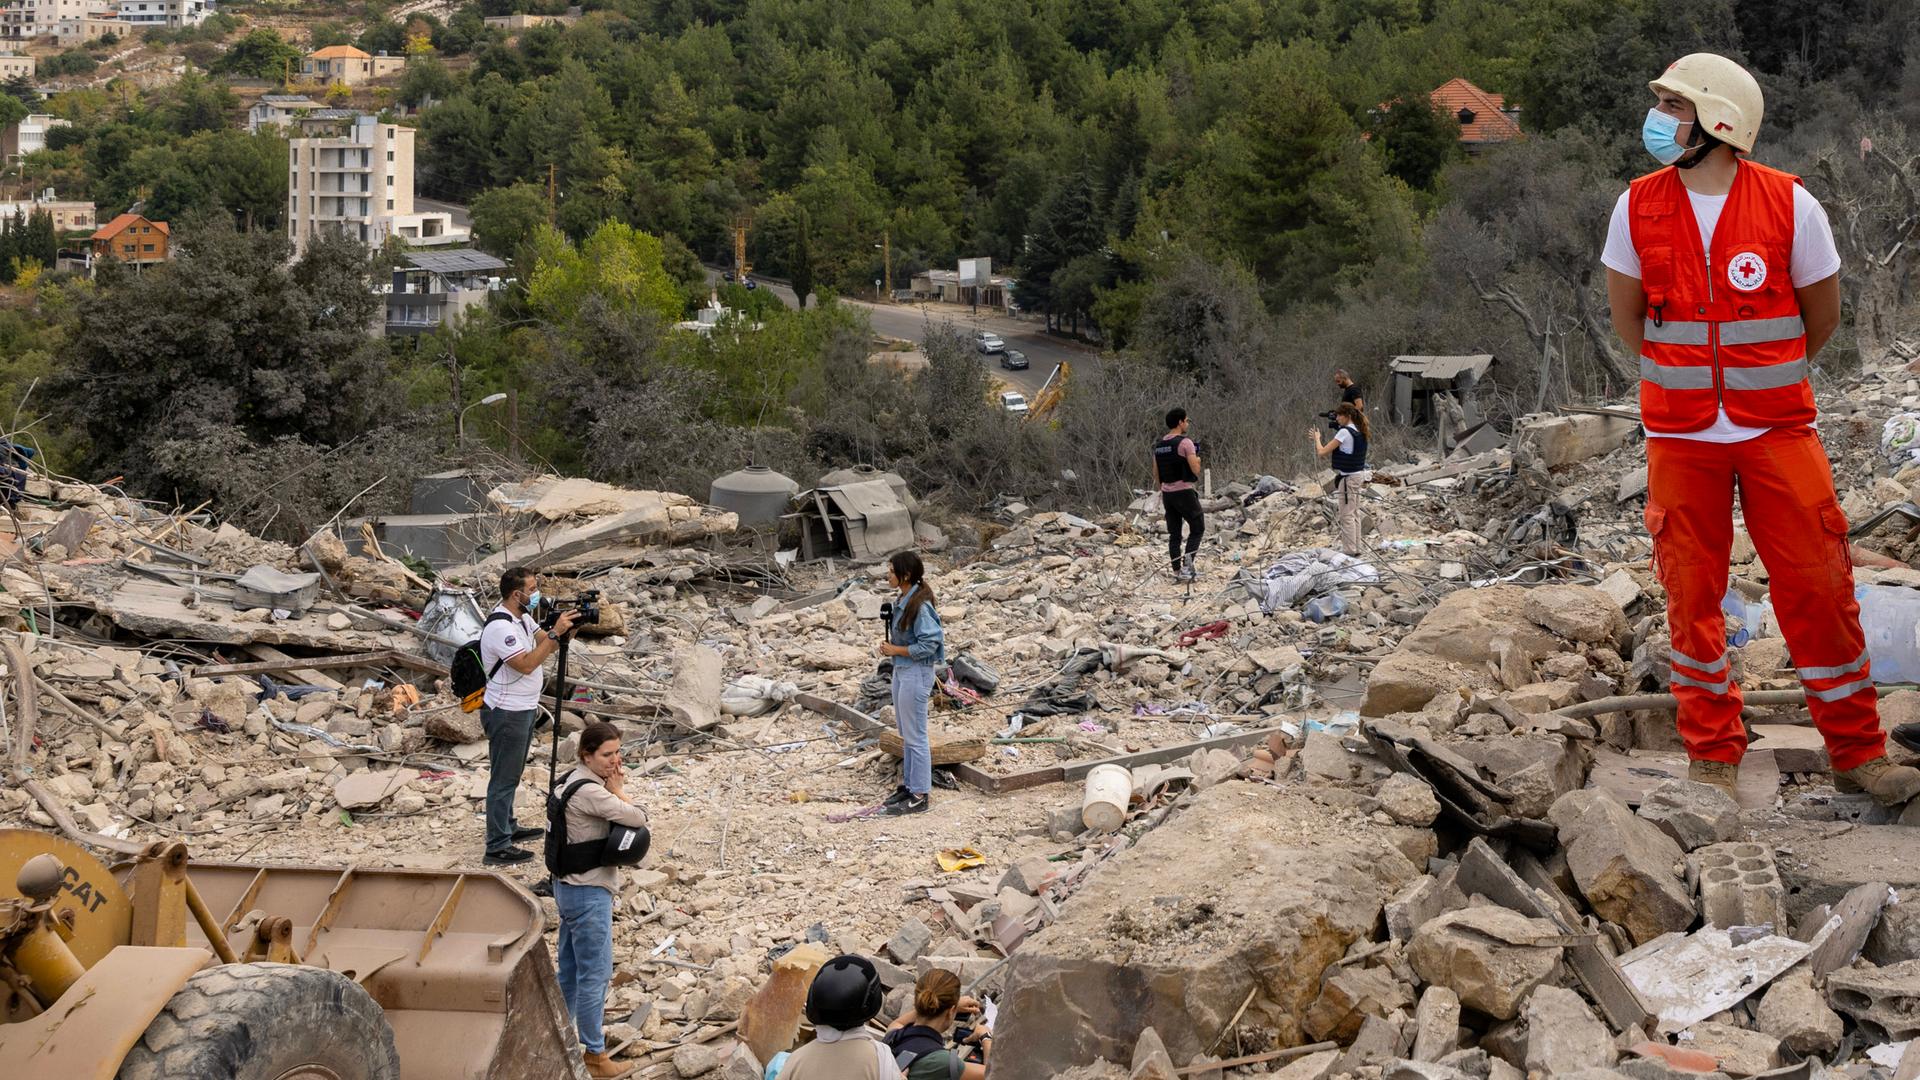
pixel 1889 784
pixel 899 793
pixel 524 832
pixel 512 856
pixel 912 804
pixel 1721 774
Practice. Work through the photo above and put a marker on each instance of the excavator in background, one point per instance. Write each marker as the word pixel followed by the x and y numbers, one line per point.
pixel 1048 399
pixel 156 970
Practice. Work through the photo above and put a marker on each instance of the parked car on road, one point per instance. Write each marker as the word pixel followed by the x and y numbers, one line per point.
pixel 1013 402
pixel 989 342
pixel 1013 360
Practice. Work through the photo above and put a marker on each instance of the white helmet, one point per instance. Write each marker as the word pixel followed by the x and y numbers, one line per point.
pixel 1726 100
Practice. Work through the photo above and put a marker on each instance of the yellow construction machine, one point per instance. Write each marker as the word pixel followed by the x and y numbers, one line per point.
pixel 1051 392
pixel 156 970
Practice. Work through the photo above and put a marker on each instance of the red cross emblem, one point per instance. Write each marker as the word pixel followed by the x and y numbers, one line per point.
pixel 1747 271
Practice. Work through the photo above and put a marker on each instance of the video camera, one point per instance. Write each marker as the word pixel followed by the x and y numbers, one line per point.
pixel 585 608
pixel 1332 417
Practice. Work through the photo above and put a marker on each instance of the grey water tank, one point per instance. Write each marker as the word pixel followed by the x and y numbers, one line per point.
pixel 758 494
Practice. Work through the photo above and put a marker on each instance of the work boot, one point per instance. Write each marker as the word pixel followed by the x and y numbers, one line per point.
pixel 1889 784
pixel 601 1067
pixel 1721 774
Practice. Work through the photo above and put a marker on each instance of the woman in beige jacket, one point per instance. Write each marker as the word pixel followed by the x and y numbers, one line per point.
pixel 586 899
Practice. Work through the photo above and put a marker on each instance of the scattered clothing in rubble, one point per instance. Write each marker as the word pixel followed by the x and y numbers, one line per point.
pixel 1303 574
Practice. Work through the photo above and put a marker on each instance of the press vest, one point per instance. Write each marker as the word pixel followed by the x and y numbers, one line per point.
pixel 1354 462
pixel 1166 458
pixel 1723 327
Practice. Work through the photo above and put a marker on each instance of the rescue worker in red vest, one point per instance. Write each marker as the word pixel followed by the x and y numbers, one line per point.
pixel 1723 276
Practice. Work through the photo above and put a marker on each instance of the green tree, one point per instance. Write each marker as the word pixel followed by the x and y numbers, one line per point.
pixel 1419 140
pixel 505 218
pixel 262 54
pixel 800 265
pixel 425 77
pixel 226 340
pixel 329 32
pixel 618 266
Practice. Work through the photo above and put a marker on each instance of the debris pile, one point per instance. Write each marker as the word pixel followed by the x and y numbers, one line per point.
pixel 1417 813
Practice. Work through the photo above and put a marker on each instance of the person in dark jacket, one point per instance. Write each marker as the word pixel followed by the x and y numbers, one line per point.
pixel 919 1038
pixel 1176 465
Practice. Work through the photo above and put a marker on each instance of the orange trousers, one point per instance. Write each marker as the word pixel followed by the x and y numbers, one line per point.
pixel 1786 492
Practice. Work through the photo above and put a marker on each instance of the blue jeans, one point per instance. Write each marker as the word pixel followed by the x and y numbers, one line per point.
pixel 508 735
pixel 912 687
pixel 586 957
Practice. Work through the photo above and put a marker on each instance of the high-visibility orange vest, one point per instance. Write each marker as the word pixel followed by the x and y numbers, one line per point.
pixel 1723 328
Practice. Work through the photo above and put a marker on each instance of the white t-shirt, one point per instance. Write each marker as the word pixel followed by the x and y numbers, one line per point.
pixel 1814 258
pixel 509 689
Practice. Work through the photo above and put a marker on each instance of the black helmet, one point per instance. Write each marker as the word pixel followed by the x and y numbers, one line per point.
pixel 845 994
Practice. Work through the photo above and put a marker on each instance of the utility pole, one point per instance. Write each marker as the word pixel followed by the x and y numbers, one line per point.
pixel 886 257
pixel 550 194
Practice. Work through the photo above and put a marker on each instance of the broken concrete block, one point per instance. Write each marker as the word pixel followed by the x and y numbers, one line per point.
pixel 1150 1060
pixel 1322 756
pixel 741 1065
pixel 1897 937
pixel 1212 766
pixel 1464 625
pixel 1563 1035
pixel 770 1021
pixel 454 726
pixel 1857 913
pixel 910 943
pixel 1694 814
pixel 1795 1013
pixel 1737 1051
pixel 1348 995
pixel 1628 870
pixel 1424 899
pixel 1028 874
pixel 1436 1024
pixel 1578 612
pixel 1885 1002
pixel 1544 697
pixel 1380 1039
pixel 1738 884
pixel 695 1059
pixel 1491 957
pixel 1820 864
pixel 370 787
pixel 1408 800
pixel 1406 681
pixel 1312 1067
pixel 1279 908
pixel 1568 440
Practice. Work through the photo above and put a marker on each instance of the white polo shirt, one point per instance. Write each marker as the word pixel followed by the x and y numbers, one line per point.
pixel 502 639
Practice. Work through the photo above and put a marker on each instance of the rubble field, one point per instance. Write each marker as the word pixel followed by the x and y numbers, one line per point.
pixel 1421 813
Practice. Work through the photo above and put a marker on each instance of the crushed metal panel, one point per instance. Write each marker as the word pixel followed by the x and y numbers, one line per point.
pixel 1442 367
pixel 877 522
pixel 1687 978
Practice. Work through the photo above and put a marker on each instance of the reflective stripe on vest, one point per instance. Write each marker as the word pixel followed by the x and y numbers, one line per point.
pixel 1771 377
pixel 1679 376
pixel 1675 333
pixel 1754 331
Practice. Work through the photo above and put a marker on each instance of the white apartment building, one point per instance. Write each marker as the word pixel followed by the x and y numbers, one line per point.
pixel 355 178
pixel 14 66
pixel 173 14
pixel 28 135
pixel 24 20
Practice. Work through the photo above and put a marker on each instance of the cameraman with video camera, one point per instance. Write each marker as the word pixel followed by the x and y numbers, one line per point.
pixel 512 648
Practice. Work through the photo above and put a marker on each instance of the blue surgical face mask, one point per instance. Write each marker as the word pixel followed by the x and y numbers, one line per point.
pixel 533 600
pixel 1660 136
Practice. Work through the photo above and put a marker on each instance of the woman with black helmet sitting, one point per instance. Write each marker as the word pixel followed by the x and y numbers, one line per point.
pixel 585 898
pixel 844 996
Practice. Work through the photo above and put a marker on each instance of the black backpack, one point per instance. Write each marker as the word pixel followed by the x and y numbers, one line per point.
pixel 470 675
pixel 624 845
pixel 915 1041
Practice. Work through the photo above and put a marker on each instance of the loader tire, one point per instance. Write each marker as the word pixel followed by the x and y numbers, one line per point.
pixel 266 1022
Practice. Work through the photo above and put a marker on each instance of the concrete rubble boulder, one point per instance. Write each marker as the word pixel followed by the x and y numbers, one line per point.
pixel 1737 1051
pixel 1628 870
pixel 1693 814
pixel 1563 1035
pixel 1492 958
pixel 1792 1011
pixel 1348 995
pixel 1578 613
pixel 455 725
pixel 1436 1024
pixel 1885 1002
pixel 1150 1059
pixel 1406 681
pixel 1249 889
pixel 1408 800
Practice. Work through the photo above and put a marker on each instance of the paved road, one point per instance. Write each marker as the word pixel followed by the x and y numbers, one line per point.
pixel 912 322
